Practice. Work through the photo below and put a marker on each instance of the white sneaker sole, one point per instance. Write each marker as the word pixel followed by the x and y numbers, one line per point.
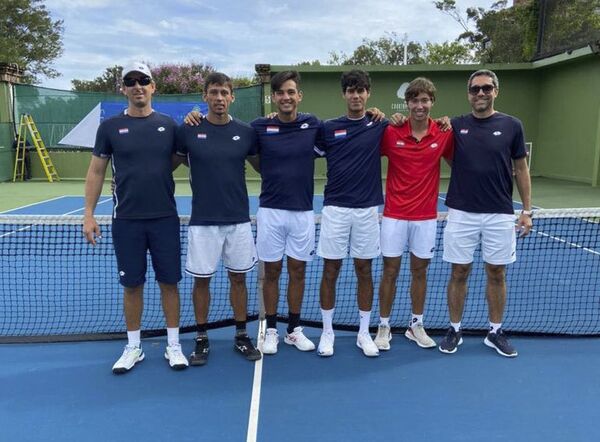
pixel 369 355
pixel 289 342
pixel 176 366
pixel 121 370
pixel 490 344
pixel 412 337
pixel 449 352
pixel 269 351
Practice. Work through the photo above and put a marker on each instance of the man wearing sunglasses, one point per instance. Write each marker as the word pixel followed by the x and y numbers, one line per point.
pixel 140 144
pixel 487 145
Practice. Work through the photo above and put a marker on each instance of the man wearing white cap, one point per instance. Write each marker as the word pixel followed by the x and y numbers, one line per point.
pixel 140 144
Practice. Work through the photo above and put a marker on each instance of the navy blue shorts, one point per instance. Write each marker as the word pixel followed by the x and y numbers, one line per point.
pixel 133 238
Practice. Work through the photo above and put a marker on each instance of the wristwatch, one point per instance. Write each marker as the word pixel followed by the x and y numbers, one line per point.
pixel 527 212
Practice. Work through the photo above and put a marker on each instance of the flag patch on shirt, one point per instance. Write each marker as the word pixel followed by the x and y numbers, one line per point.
pixel 201 136
pixel 123 131
pixel 272 130
pixel 464 131
pixel 340 133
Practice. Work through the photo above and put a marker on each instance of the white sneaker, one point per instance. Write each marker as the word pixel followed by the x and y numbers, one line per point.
pixel 175 356
pixel 383 338
pixel 326 344
pixel 365 342
pixel 418 334
pixel 131 356
pixel 297 339
pixel 269 346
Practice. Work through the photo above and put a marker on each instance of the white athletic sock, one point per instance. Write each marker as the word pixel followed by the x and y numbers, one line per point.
pixel 327 320
pixel 172 335
pixel 416 320
pixel 384 321
pixel 365 319
pixel 455 326
pixel 134 338
pixel 494 327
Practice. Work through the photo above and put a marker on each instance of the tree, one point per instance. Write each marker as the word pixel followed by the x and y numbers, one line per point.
pixel 109 81
pixel 452 52
pixel 386 50
pixel 30 38
pixel 180 78
pixel 502 35
pixel 169 79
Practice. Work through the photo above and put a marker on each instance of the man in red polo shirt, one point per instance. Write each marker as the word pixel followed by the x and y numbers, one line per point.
pixel 414 151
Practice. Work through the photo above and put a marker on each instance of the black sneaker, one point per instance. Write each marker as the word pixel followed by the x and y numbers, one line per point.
pixel 200 354
pixel 244 345
pixel 451 341
pixel 499 342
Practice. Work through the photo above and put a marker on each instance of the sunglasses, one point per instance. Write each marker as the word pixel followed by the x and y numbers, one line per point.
pixel 486 89
pixel 130 82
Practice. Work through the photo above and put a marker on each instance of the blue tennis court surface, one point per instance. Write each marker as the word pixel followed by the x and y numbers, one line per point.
pixel 66 391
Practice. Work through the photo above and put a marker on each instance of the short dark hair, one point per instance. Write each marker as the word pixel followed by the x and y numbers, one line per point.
pixel 356 78
pixel 279 78
pixel 487 73
pixel 418 86
pixel 217 78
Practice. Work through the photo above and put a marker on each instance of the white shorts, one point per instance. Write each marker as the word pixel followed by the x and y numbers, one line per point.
pixel 397 234
pixel 343 228
pixel 465 230
pixel 288 232
pixel 207 244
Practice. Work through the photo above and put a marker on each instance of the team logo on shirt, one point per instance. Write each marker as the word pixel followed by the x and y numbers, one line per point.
pixel 399 143
pixel 370 123
pixel 123 131
pixel 304 126
pixel 201 136
pixel 272 130
pixel 237 137
pixel 497 133
pixel 434 145
pixel 161 129
pixel 340 133
pixel 464 131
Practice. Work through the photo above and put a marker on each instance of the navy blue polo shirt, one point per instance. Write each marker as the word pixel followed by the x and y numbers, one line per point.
pixel 481 180
pixel 287 161
pixel 216 156
pixel 141 151
pixel 353 162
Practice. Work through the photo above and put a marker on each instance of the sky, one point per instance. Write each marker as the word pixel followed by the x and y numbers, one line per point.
pixel 232 35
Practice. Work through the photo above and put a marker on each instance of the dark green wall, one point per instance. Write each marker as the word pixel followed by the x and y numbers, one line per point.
pixel 569 115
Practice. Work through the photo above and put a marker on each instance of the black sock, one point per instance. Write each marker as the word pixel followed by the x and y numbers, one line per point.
pixel 271 321
pixel 201 330
pixel 240 328
pixel 293 322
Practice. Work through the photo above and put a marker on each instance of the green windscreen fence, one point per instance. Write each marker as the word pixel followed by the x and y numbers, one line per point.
pixel 56 112
pixel 566 25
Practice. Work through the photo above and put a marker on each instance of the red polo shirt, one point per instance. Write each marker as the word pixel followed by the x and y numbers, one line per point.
pixel 413 177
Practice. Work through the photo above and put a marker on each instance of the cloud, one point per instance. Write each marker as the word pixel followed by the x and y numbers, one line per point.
pixel 101 33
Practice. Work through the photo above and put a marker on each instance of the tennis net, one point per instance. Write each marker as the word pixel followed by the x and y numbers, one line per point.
pixel 54 286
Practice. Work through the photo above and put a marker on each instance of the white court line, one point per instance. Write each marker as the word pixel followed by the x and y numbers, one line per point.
pixel 29 226
pixel 256 384
pixel 35 204
pixel 556 238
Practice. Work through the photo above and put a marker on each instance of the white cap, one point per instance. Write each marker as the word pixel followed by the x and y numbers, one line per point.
pixel 136 66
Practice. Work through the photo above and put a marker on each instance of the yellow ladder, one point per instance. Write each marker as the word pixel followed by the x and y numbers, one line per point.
pixel 25 125
pixel 19 170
